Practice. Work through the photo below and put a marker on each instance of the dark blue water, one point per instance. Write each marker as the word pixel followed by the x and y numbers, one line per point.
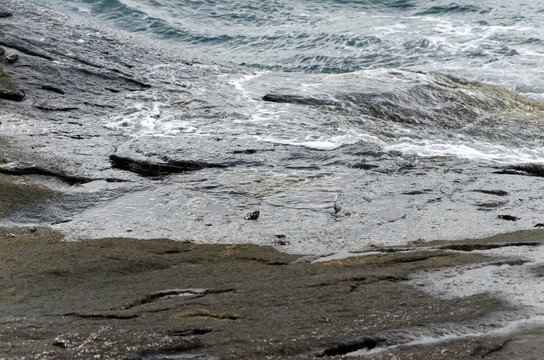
pixel 495 40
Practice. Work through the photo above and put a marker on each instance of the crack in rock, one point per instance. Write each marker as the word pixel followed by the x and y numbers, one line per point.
pixel 24 168
pixel 189 332
pixel 190 293
pixel 219 315
pixel 349 347
pixel 98 315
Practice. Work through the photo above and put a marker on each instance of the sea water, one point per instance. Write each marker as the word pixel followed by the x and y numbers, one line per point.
pixel 326 47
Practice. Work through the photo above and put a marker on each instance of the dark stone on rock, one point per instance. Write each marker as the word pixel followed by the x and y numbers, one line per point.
pixel 281 241
pixel 508 217
pixel 5 14
pixel 150 168
pixel 11 59
pixel 254 215
pixel 59 343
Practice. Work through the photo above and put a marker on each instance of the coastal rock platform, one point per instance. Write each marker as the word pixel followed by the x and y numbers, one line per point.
pixel 161 299
pixel 89 211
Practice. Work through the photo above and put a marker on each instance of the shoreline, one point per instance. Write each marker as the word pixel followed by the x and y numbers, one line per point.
pixel 126 298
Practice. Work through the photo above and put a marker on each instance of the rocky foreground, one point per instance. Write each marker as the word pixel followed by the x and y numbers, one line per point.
pixel 161 299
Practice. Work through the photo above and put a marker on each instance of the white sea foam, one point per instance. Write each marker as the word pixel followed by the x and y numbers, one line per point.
pixel 516 284
pixel 323 143
pixel 471 150
pixel 345 255
pixel 494 326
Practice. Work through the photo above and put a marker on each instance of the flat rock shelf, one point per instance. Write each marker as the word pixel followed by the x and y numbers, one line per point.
pixel 161 299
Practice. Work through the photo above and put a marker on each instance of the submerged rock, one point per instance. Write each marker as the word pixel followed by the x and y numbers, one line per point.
pixel 443 100
pixel 16 197
pixel 529 169
pixel 301 100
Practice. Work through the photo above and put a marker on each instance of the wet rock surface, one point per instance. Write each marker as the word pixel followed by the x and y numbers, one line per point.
pixel 8 89
pixel 447 102
pixel 133 299
pixel 97 111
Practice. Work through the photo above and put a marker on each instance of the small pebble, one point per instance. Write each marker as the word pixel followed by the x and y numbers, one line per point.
pixel 254 215
pixel 508 217
pixel 10 59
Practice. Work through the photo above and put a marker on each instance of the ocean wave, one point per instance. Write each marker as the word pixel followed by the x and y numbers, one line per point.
pixel 453 8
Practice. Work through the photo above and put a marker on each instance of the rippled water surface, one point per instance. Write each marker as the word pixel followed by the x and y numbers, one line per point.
pixel 358 41
pixel 497 40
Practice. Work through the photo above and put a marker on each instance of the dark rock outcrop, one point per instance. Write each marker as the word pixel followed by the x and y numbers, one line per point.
pixel 156 168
